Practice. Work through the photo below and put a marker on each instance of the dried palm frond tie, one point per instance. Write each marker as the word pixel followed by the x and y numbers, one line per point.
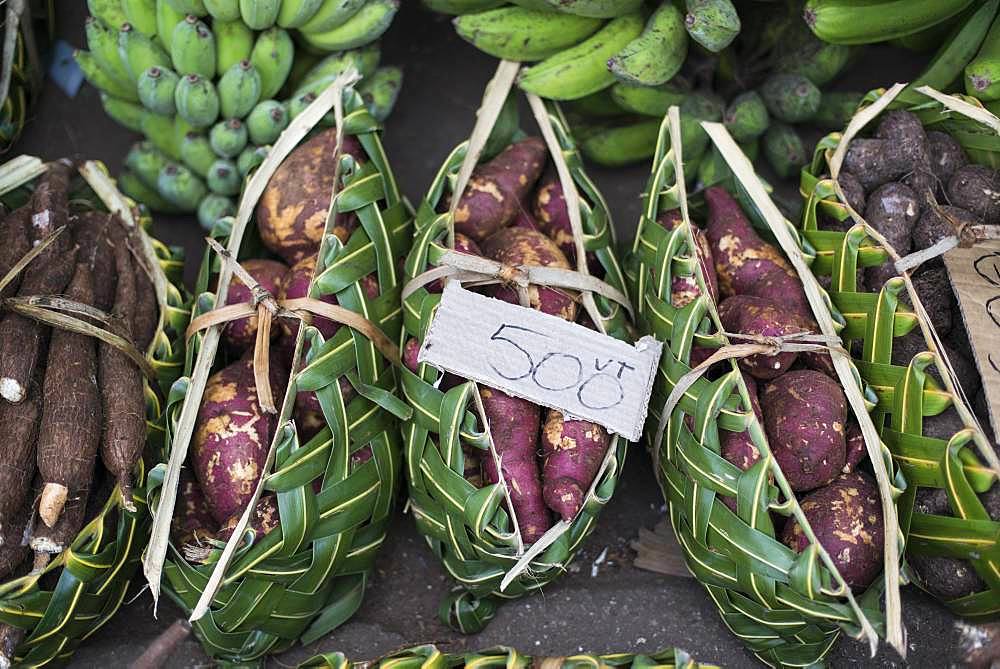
pixel 266 308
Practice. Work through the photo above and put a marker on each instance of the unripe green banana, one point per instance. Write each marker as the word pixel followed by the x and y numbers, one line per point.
pixel 157 87
pixel 600 9
pixel 196 100
pixel 266 121
pixel 228 138
pixel 381 90
pixel 194 7
pixel 213 207
pixel 790 97
pixel 295 13
pixel 223 10
pixel 142 15
pixel 515 33
pixel 125 113
pixel 532 4
pixel 103 45
pixel 197 153
pixel 601 104
pixel 167 19
pixel 866 21
pixel 239 90
pixel 367 25
pixel 132 186
pixel 982 74
pixel 193 50
pixel 181 187
pixel 146 161
pixel 272 57
pixel 713 168
pixel 836 108
pixel 460 7
pixel 259 14
pixel 298 104
pixel 224 178
pixel 657 54
pixel 108 11
pixel 784 149
pixel 714 24
pixel 102 80
pixel 161 131
pixel 646 100
pixel 364 60
pixel 582 69
pixel 698 106
pixel 233 43
pixel 251 158
pixel 139 53
pixel 814 59
pixel 746 117
pixel 331 14
pixel 621 144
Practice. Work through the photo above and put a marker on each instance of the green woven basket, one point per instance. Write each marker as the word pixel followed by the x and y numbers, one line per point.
pixel 788 608
pixel 307 576
pixel 504 657
pixel 468 528
pixel 907 395
pixel 82 587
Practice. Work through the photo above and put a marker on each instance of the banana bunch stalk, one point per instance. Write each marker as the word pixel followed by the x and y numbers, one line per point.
pixel 618 66
pixel 211 84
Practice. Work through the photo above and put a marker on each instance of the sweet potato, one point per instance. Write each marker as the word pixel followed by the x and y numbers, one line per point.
pixel 514 424
pixel 976 188
pixel 856 449
pixel 264 519
pixel 744 263
pixel 192 522
pixel 463 244
pixel 572 452
pixel 308 412
pixel 737 447
pixel 496 188
pixel 19 427
pixel 296 284
pixel 846 517
pixel 684 289
pixel 70 429
pixel 16 243
pixel 232 437
pixel 518 246
pixel 241 334
pixel 292 211
pixel 22 340
pixel 946 155
pixel 745 314
pixel 805 417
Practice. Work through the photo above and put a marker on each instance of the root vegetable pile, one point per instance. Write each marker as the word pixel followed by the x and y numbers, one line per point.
pixel 66 396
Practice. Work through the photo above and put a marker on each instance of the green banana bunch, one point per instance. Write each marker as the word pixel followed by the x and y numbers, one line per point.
pixel 601 9
pixel 515 33
pixel 867 21
pixel 381 90
pixel 982 74
pixel 657 54
pixel 367 25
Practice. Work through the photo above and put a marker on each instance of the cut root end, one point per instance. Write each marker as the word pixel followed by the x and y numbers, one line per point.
pixel 51 503
pixel 11 390
pixel 127 502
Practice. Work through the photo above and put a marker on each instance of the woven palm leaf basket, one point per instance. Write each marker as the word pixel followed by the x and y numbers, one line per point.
pixel 49 607
pixel 293 560
pixel 463 515
pixel 912 350
pixel 504 657
pixel 732 505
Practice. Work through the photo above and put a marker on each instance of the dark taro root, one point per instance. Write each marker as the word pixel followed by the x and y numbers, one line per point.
pixel 976 188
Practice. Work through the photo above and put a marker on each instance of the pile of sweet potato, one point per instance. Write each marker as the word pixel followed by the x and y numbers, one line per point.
pixel 795 395
pixel 917 187
pixel 514 211
pixel 66 397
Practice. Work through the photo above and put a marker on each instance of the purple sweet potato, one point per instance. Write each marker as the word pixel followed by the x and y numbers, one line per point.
pixel 737 447
pixel 192 522
pixel 805 417
pixel 463 244
pixel 232 436
pixel 308 412
pixel 292 211
pixel 518 246
pixel 514 424
pixel 856 449
pixel 846 517
pixel 684 289
pixel 241 334
pixel 264 519
pixel 295 285
pixel 493 195
pixel 745 314
pixel 572 452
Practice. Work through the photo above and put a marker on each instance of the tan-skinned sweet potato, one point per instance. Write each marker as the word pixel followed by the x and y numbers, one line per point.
pixel 519 246
pixel 737 447
pixel 572 452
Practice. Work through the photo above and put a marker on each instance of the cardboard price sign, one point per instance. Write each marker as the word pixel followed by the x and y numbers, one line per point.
pixel 544 359
pixel 975 276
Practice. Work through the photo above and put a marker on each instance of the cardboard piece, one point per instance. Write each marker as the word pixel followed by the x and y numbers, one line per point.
pixel 975 277
pixel 544 359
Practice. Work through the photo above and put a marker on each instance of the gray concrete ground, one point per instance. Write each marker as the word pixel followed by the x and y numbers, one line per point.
pixel 609 607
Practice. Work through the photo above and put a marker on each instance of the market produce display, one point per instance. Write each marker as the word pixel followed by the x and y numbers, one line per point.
pixel 89 342
pixel 471 448
pixel 759 450
pixel 933 420
pixel 22 68
pixel 212 84
pixel 293 462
